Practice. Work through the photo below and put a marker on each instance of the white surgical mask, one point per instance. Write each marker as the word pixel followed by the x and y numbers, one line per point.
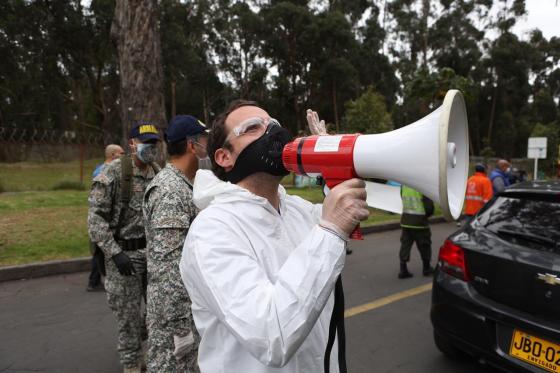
pixel 146 153
pixel 204 163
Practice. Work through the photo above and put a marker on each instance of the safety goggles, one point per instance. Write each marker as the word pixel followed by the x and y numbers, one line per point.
pixel 253 126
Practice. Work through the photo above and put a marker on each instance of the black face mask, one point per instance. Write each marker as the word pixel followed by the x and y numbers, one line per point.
pixel 262 155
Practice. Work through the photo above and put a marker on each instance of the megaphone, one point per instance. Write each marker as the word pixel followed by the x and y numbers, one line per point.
pixel 430 155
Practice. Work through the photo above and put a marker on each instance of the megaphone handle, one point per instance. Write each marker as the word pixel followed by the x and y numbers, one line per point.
pixel 357 233
pixel 331 183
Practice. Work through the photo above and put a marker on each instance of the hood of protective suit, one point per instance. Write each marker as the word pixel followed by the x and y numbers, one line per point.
pixel 208 188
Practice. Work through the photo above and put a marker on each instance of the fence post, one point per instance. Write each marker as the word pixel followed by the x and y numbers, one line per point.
pixel 82 163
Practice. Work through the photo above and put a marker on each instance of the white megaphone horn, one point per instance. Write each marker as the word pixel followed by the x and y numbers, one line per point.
pixel 430 155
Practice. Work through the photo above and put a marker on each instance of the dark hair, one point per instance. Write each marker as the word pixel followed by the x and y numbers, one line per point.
pixel 218 134
pixel 179 148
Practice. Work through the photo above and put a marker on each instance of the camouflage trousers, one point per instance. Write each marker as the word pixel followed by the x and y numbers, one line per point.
pixel 168 315
pixel 160 352
pixel 124 295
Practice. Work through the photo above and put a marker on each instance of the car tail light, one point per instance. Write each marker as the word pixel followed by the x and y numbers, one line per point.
pixel 452 260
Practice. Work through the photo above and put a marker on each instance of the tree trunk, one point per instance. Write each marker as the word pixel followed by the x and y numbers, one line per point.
pixel 295 104
pixel 205 108
pixel 492 113
pixel 173 97
pixel 135 30
pixel 425 15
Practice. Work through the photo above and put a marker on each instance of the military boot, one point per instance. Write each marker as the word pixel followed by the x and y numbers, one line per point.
pixel 427 270
pixel 404 271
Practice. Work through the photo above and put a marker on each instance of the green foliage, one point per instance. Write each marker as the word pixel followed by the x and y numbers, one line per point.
pixel 487 151
pixel 552 132
pixel 60 69
pixel 367 114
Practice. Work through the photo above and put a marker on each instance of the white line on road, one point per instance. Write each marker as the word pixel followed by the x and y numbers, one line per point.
pixel 387 300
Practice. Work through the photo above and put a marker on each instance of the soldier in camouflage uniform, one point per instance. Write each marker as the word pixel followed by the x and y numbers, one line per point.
pixel 117 227
pixel 168 213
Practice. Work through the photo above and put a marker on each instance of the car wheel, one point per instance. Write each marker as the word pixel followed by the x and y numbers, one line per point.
pixel 447 348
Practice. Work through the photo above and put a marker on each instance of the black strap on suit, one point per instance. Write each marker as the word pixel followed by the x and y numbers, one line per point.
pixel 336 327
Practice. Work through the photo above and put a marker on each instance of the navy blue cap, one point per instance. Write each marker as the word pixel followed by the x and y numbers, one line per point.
pixel 183 126
pixel 480 167
pixel 144 131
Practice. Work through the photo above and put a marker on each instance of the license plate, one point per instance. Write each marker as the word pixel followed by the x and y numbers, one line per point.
pixel 535 351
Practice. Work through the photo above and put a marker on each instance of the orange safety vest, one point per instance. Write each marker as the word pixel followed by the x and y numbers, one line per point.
pixel 479 191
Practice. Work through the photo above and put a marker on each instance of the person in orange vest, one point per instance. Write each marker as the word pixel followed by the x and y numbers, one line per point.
pixel 479 191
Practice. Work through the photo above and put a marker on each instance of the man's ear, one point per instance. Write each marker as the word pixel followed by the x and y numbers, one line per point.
pixel 224 158
pixel 190 146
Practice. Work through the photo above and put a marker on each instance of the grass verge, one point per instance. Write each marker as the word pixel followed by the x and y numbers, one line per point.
pixel 40 226
pixel 37 226
pixel 24 176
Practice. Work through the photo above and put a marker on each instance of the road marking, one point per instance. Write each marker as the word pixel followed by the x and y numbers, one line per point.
pixel 387 300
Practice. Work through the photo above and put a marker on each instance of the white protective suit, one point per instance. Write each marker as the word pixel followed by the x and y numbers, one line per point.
pixel 261 282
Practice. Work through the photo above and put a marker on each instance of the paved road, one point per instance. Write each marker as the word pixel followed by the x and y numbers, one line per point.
pixel 53 325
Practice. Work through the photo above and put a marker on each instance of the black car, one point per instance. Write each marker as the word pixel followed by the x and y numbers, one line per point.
pixel 496 290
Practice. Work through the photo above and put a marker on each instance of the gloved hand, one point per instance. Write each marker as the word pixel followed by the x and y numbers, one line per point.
pixel 183 344
pixel 316 126
pixel 344 207
pixel 124 264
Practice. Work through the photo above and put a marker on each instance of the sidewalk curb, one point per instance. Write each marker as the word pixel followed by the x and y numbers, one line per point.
pixel 395 225
pixel 34 270
pixel 59 267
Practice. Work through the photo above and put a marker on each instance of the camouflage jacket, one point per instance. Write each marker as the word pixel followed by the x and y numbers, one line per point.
pixel 168 213
pixel 105 205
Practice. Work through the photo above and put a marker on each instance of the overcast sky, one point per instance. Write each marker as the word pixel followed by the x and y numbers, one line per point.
pixel 544 15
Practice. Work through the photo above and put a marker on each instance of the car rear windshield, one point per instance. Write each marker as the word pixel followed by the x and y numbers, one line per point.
pixel 530 221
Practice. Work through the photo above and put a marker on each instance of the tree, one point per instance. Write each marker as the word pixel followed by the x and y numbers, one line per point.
pixel 289 40
pixel 333 77
pixel 552 132
pixel 367 114
pixel 373 65
pixel 454 39
pixel 60 71
pixel 409 43
pixel 135 30
pixel 191 80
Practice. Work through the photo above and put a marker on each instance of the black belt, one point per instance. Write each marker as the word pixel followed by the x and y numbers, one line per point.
pixel 132 244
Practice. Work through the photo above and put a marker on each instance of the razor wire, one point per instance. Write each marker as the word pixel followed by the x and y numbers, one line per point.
pixel 54 137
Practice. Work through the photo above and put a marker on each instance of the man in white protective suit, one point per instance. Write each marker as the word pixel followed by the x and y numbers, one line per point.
pixel 260 265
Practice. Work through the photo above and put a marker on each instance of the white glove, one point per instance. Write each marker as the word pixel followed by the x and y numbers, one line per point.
pixel 344 207
pixel 183 344
pixel 316 126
